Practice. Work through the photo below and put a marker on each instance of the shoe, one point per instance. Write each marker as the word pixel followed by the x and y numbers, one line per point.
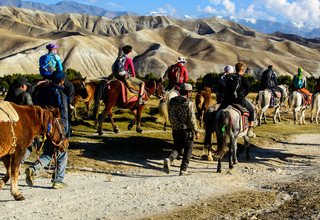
pixel 166 165
pixel 29 176
pixel 141 101
pixel 59 185
pixel 251 133
pixel 184 173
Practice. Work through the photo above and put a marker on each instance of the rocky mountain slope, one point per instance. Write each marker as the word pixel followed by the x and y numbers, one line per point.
pixel 90 44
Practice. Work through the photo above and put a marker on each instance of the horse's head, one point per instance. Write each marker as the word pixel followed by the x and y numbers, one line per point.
pixel 160 90
pixel 54 129
pixel 151 87
pixel 80 87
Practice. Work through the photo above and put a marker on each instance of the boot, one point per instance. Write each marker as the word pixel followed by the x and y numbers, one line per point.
pixel 140 100
pixel 251 133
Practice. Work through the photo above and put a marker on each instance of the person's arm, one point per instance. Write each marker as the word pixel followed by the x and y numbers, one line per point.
pixel 59 63
pixel 192 119
pixel 28 99
pixel 186 75
pixel 245 86
pixel 128 66
pixel 304 85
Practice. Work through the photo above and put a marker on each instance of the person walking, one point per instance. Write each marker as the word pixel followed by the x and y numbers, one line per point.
pixel 184 127
pixel 53 95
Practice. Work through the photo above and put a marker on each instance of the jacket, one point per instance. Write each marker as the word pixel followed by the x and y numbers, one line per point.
pixel 242 92
pixel 19 97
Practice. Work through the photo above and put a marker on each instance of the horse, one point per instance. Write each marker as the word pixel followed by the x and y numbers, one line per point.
pixel 264 102
pixel 203 102
pixel 165 97
pixel 17 135
pixel 112 95
pixel 296 102
pixel 228 124
pixel 315 107
pixel 84 92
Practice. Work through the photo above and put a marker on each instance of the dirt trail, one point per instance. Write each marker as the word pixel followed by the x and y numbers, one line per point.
pixel 253 189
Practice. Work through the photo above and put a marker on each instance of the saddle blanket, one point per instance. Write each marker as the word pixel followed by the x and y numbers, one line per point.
pixel 7 112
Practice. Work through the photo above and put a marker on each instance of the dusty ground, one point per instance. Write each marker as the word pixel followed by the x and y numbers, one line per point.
pixel 280 182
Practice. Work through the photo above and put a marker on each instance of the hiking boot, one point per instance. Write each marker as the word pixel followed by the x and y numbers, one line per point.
pixel 251 133
pixel 59 185
pixel 166 165
pixel 30 176
pixel 184 173
pixel 141 101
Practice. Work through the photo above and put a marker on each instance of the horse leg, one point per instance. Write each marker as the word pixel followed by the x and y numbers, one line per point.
pixel 234 155
pixel 6 177
pixel 114 126
pixel 247 145
pixel 207 143
pixel 317 115
pixel 15 161
pixel 101 118
pixel 303 117
pixel 219 166
pixel 138 112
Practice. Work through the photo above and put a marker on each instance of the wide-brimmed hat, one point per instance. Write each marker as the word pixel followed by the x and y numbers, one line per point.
pixel 186 87
pixel 181 60
pixel 52 46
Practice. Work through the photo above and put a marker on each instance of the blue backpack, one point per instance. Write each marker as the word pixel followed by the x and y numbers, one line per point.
pixel 297 83
pixel 46 65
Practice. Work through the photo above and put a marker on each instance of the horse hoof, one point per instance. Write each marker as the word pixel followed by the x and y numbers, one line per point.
pixel 116 130
pixel 165 128
pixel 218 171
pixel 100 133
pixel 139 130
pixel 19 197
pixel 230 166
pixel 204 157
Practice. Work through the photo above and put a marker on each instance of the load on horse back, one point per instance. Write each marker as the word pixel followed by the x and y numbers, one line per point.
pixel 117 93
pixel 315 107
pixel 203 103
pixel 19 125
pixel 266 99
pixel 165 97
pixel 298 104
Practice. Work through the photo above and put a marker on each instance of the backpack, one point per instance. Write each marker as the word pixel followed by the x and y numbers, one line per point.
pixel 232 85
pixel 297 83
pixel 267 79
pixel 118 65
pixel 46 66
pixel 174 74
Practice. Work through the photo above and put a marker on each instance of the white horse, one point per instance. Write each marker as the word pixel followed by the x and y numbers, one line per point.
pixel 296 102
pixel 315 107
pixel 264 101
pixel 164 103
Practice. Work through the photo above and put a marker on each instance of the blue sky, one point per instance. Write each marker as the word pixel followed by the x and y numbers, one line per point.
pixel 297 11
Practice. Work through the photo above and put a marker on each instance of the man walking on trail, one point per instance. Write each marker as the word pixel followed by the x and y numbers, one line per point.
pixel 53 95
pixel 177 74
pixel 184 128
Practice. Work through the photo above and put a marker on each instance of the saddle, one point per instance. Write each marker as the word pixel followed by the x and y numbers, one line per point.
pixel 275 98
pixel 7 112
pixel 130 92
pixel 244 122
pixel 305 97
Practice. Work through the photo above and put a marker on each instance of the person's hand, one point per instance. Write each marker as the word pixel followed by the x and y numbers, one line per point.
pixel 197 135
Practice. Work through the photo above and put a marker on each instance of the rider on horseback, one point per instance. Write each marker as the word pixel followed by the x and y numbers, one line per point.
pixel 269 81
pixel 300 84
pixel 235 93
pixel 177 74
pixel 124 70
pixel 222 83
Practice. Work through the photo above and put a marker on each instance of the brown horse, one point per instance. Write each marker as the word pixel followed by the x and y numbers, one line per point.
pixel 16 137
pixel 203 103
pixel 84 92
pixel 112 95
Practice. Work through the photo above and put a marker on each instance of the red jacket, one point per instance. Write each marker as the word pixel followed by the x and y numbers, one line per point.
pixel 128 66
pixel 176 78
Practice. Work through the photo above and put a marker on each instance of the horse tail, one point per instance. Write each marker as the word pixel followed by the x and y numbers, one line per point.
pixel 223 123
pixel 98 95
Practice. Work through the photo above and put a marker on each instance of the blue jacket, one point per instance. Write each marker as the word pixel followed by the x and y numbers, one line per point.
pixel 53 95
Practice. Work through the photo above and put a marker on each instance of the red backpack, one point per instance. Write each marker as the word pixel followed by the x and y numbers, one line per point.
pixel 174 74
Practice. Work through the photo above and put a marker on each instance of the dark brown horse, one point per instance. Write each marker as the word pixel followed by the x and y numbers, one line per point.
pixel 16 137
pixel 203 103
pixel 84 92
pixel 112 95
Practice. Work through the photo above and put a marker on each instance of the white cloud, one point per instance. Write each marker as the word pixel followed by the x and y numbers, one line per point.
pixel 210 10
pixel 112 4
pixel 229 6
pixel 307 11
pixel 167 10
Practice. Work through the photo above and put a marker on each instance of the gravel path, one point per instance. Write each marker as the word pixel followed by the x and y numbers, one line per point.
pixel 143 193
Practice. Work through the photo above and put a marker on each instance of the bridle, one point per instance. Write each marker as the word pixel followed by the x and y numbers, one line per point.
pixel 52 125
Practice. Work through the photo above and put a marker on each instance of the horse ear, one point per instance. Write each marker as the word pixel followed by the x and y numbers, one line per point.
pixel 85 78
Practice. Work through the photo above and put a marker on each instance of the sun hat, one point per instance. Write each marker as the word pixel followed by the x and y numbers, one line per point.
pixel 181 60
pixel 186 87
pixel 229 69
pixel 52 46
